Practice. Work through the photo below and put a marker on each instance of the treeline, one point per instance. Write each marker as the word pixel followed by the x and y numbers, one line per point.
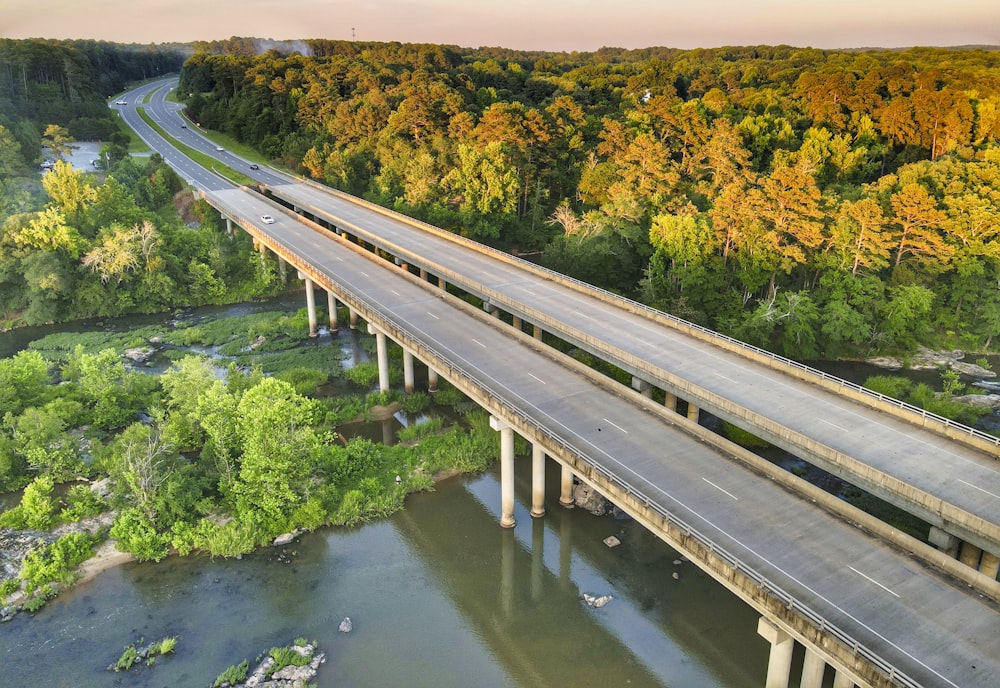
pixel 815 202
pixel 122 246
pixel 68 83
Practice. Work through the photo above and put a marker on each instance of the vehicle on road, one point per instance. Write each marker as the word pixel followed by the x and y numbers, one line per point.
pixel 267 219
pixel 121 102
pixel 219 148
pixel 254 166
pixel 184 126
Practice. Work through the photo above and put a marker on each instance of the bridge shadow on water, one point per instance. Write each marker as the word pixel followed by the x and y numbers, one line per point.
pixel 523 593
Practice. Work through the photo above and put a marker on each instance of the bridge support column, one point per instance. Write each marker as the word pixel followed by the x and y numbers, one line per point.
pixel 382 350
pixel 506 471
pixel 969 555
pixel 407 372
pixel 311 306
pixel 331 305
pixel 442 284
pixel 813 667
pixel 842 680
pixel 779 663
pixel 989 565
pixel 536 332
pixel 432 380
pixel 944 541
pixel 642 387
pixel 283 270
pixel 692 412
pixel 353 318
pixel 423 274
pixel 537 481
pixel 670 401
pixel 566 487
pixel 229 227
pixel 517 323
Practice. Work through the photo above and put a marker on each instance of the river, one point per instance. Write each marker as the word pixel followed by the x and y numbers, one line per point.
pixel 439 596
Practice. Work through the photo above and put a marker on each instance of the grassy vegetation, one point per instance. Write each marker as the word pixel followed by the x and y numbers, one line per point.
pixel 203 159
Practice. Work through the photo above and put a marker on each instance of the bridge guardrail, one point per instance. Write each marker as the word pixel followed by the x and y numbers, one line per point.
pixel 703 333
pixel 770 588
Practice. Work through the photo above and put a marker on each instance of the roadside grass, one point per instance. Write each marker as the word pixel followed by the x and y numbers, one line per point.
pixel 203 159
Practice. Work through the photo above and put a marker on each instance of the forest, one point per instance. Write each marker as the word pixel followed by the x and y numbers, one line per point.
pixel 817 203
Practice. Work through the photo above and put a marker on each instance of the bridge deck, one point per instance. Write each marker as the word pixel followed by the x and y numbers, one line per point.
pixel 940 468
pixel 892 605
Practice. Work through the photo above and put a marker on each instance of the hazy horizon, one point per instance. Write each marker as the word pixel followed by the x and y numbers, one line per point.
pixel 547 25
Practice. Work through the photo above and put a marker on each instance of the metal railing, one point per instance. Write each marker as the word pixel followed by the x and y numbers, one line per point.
pixel 371 312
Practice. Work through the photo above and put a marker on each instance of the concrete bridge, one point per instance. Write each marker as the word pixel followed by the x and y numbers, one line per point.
pixel 867 611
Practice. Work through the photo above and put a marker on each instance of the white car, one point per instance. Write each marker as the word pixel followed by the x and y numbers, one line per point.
pixel 219 148
pixel 121 102
pixel 267 219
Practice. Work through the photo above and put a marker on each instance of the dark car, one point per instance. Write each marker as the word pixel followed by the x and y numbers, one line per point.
pixel 254 166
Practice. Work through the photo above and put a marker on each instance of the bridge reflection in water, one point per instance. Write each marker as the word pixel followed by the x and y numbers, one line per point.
pixel 522 595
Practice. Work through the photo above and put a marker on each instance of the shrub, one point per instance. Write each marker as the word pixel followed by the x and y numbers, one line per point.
pixel 363 374
pixel 129 657
pixel 414 403
pixel 55 563
pixel 415 432
pixel 137 535
pixel 304 380
pixel 286 656
pixel 81 502
pixel 233 675
pixel 36 504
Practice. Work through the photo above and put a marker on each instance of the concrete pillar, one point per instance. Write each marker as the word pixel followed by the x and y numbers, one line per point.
pixel 643 387
pixel 537 481
pixel 536 332
pixel 407 372
pixel 670 401
pixel 813 667
pixel 779 663
pixel 969 555
pixel 432 380
pixel 381 348
pixel 263 255
pixel 423 274
pixel 229 226
pixel 692 412
pixel 442 284
pixel 517 323
pixel 989 565
pixel 506 471
pixel 353 318
pixel 566 487
pixel 282 270
pixel 331 305
pixel 944 541
pixel 311 306
pixel 842 680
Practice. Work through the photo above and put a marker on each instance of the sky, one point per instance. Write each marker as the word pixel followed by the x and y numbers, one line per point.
pixel 551 25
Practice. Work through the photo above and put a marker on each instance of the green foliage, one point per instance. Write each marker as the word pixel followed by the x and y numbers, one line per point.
pixel 415 432
pixel 81 502
pixel 742 437
pixel 138 536
pixel 303 380
pixel 56 562
pixel 23 379
pixel 233 675
pixel 127 659
pixel 36 504
pixel 893 386
pixel 286 656
pixel 364 374
pixel 414 402
pixel 8 587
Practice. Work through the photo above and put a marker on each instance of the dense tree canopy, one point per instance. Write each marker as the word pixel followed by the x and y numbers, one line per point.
pixel 716 184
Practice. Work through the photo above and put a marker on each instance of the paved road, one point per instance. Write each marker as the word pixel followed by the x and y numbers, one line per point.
pixel 934 630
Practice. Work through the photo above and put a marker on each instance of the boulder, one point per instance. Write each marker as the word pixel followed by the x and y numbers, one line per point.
pixel 346 626
pixel 586 497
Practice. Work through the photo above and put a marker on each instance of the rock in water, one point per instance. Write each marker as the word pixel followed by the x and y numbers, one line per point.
pixel 346 626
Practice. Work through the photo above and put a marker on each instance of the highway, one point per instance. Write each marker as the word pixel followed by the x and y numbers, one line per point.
pixel 936 631
pixel 946 483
